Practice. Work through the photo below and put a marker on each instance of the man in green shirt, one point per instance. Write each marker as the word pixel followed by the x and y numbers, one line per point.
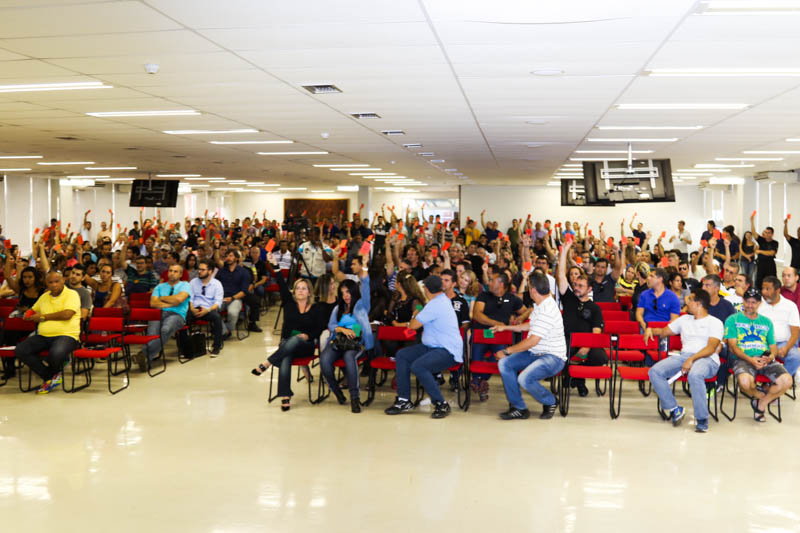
pixel 751 345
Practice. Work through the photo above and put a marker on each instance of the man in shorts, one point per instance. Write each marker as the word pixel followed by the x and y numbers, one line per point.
pixel 751 345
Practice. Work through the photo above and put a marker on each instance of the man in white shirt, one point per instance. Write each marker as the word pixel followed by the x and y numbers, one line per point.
pixel 315 255
pixel 740 285
pixel 700 334
pixel 682 240
pixel 786 321
pixel 541 355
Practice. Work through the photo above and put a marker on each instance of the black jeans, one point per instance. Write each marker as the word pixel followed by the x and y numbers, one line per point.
pixel 214 319
pixel 58 348
pixel 282 358
pixel 329 356
pixel 595 357
pixel 253 302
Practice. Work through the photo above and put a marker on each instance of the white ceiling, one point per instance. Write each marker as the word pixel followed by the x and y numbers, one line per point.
pixel 455 75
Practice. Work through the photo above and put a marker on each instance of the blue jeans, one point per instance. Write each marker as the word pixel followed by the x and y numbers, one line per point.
pixel 233 308
pixel 791 361
pixel 479 353
pixel 169 324
pixel 329 356
pixel 701 370
pixel 425 362
pixel 534 368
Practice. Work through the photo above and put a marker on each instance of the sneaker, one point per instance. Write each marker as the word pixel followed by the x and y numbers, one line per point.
pixel 702 426
pixel 677 415
pixel 440 409
pixel 141 361
pixel 50 385
pixel 400 406
pixel 484 390
pixel 43 388
pixel 215 351
pixel 582 390
pixel 515 414
pixel 548 411
pixel 355 405
pixel 711 392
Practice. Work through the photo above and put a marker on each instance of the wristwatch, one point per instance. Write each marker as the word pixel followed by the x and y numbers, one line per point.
pixel 505 352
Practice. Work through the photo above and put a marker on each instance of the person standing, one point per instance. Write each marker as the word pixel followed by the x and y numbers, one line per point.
pixel 682 240
pixel 441 348
pixel 766 252
pixel 794 244
pixel 701 335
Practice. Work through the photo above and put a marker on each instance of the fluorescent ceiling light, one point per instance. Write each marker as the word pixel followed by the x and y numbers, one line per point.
pixel 727 180
pixel 204 179
pixel 77 182
pixel 571 165
pixel 237 181
pixel 595 140
pixel 341 165
pixel 554 184
pixel 649 127
pixel 292 153
pixel 13 169
pixel 32 87
pixel 379 177
pixel 115 179
pixel 777 152
pixel 724 72
pixel 165 113
pixel 612 152
pixel 254 183
pixel 292 189
pixel 748 159
pixel 684 174
pixel 437 160
pixel 373 173
pixel 195 185
pixel 354 169
pixel 178 175
pixel 347 188
pixel 693 171
pixel 547 72
pixel 219 180
pixel 54 163
pixel 251 142
pixel 598 158
pixel 92 177
pixel 681 106
pixel 793 140
pixel 450 169
pixel 110 168
pixel 721 165
pixel 329 190
pixel 426 154
pixel 738 7
pixel 207 132
pixel 20 157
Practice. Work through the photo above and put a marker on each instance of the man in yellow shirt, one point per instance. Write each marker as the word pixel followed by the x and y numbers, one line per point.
pixel 58 313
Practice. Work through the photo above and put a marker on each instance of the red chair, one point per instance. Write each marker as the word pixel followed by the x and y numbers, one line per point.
pixel 626 302
pixel 112 351
pixel 9 302
pixel 139 299
pixel 386 363
pixel 484 367
pixel 19 325
pixel 640 374
pixel 616 316
pixel 145 315
pixel 578 371
pixel 616 329
pixel 300 363
pixel 609 306
pixel 107 312
pixel 759 379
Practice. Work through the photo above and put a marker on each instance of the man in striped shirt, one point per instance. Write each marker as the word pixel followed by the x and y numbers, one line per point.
pixel 541 355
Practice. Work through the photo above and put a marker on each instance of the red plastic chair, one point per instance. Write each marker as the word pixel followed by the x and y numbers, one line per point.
pixel 385 363
pixel 144 315
pixel 609 306
pixel 578 371
pixel 19 325
pixel 615 329
pixel 111 350
pixel 139 299
pixel 484 367
pixel 626 302
pixel 631 342
pixel 616 316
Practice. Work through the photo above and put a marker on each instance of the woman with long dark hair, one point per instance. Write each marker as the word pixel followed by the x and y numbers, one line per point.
pixel 351 335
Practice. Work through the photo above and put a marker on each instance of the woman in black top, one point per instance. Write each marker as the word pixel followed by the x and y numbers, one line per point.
pixel 407 301
pixel 302 324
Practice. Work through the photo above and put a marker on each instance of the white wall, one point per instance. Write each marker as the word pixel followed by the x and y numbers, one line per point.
pixel 504 203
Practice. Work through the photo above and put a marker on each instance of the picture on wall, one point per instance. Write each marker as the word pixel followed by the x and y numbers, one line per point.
pixel 294 207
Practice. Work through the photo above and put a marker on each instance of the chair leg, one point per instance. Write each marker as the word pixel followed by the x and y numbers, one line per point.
pixel 597 389
pixel 793 393
pixel 734 393
pixel 777 417
pixel 270 397
pixel 619 399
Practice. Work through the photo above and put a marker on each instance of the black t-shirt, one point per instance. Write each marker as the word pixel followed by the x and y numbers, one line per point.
pixel 580 317
pixel 419 273
pixel 691 283
pixel 640 235
pixel 603 291
pixel 499 309
pixel 795 245
pixel 767 246
pixel 257 270
pixel 477 263
pixel 461 308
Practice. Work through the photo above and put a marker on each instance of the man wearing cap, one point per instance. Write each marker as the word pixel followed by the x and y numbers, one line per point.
pixel 785 321
pixel 751 345
pixel 441 348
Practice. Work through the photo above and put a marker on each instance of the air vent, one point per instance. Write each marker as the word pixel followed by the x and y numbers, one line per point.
pixel 322 89
pixel 393 132
pixel 426 154
pixel 68 138
pixel 365 115
pixel 412 145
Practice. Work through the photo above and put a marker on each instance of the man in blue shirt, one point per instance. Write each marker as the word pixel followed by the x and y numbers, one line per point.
pixel 235 283
pixel 172 298
pixel 657 304
pixel 441 348
pixel 206 302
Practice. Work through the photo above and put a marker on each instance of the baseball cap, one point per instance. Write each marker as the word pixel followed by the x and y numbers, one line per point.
pixel 433 284
pixel 752 293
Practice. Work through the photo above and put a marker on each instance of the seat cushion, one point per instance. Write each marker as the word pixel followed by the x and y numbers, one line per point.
pixel 635 373
pixel 484 367
pixel 590 372
pixel 96 338
pixel 95 354
pixel 139 339
pixel 629 356
pixel 383 363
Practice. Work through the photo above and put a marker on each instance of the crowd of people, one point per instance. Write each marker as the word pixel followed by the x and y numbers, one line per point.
pixel 338 278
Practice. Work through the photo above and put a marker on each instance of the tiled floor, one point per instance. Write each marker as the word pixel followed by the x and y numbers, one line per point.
pixel 199 450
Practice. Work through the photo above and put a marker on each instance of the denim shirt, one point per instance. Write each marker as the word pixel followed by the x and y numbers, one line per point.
pixel 361 314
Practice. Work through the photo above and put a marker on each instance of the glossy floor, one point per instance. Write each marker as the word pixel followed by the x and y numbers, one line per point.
pixel 198 449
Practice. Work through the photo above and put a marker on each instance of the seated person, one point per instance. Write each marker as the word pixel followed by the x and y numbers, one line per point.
pixel 497 307
pixel 701 335
pixel 751 345
pixel 206 302
pixel 785 321
pixel 236 284
pixel 58 314
pixel 440 349
pixel 657 304
pixel 541 355
pixel 141 279
pixel 173 299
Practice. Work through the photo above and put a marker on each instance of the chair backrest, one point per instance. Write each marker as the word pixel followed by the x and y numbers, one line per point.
pixel 590 340
pixel 285 273
pixel 609 306
pixel 657 324
pixel 625 302
pixel 675 343
pixel 9 302
pixel 110 312
pixel 18 324
pixel 5 311
pixel 110 324
pixel 621 327
pixel 618 316
pixel 500 337
pixel 139 299
pixel 636 342
pixel 396 333
pixel 144 314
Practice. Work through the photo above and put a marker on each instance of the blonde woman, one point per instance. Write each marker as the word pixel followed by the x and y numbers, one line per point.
pixel 469 288
pixel 302 323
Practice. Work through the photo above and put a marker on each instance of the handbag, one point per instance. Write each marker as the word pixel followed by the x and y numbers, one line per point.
pixel 343 343
pixel 191 345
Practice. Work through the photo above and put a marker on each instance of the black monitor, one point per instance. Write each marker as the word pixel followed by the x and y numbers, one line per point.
pixel 573 193
pixel 612 182
pixel 154 193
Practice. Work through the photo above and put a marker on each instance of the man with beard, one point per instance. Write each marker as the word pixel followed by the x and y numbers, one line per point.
pixel 207 294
